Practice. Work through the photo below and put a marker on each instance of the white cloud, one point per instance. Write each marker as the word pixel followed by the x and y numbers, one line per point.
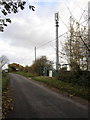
pixel 16 54
pixel 29 29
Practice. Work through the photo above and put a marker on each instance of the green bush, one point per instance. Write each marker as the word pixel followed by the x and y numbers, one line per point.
pixel 81 78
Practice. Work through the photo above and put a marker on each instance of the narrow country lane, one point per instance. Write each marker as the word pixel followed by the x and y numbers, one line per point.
pixel 32 100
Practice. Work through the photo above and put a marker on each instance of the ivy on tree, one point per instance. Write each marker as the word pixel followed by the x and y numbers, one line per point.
pixel 8 7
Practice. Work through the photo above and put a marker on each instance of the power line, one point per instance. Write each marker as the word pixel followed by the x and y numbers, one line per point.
pixel 51 40
pixel 58 37
pixel 66 33
pixel 63 22
pixel 73 16
pixel 83 9
pixel 81 15
pixel 46 43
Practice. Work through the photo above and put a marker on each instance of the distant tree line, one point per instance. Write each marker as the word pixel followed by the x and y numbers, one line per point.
pixel 37 67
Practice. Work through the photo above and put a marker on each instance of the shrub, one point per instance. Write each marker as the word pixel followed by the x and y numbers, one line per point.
pixel 81 78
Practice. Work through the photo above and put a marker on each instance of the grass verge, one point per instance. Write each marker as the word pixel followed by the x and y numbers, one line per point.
pixel 5 80
pixel 73 90
pixel 25 74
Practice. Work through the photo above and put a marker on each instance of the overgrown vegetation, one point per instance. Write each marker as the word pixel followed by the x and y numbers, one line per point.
pixel 81 78
pixel 72 89
pixel 5 80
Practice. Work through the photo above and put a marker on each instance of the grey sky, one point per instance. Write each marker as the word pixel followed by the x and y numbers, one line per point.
pixel 29 29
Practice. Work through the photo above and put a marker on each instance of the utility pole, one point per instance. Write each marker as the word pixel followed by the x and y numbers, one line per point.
pixel 35 54
pixel 57 47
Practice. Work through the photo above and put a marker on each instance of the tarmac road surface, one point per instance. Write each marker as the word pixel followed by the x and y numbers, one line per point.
pixel 32 100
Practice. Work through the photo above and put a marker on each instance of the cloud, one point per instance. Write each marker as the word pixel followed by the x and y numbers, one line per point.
pixel 29 29
pixel 16 54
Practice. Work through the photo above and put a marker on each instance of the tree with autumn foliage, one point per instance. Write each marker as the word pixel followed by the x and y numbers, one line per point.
pixel 77 47
pixel 40 65
pixel 15 67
